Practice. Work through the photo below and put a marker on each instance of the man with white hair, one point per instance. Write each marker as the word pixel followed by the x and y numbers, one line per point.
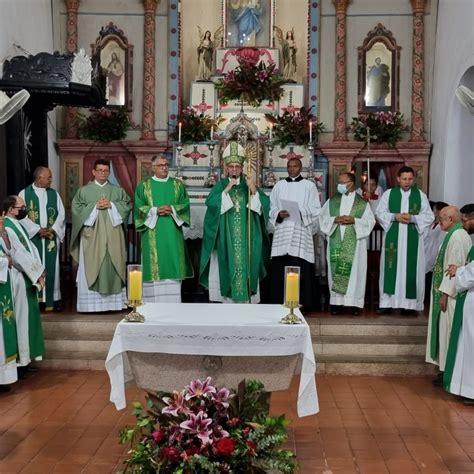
pixel 234 256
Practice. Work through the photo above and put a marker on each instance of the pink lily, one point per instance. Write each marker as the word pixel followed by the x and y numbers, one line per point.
pixel 199 425
pixel 199 388
pixel 176 405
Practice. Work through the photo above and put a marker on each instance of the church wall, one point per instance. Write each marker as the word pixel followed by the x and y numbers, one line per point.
pixel 452 163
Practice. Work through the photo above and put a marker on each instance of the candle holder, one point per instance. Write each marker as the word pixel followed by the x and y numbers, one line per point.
pixel 179 173
pixel 310 162
pixel 134 293
pixel 270 180
pixel 211 177
pixel 292 295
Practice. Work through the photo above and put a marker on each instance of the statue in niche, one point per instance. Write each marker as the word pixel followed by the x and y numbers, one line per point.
pixel 246 15
pixel 205 52
pixel 378 83
pixel 288 48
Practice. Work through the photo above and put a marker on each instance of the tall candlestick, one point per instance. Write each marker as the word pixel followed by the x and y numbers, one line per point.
pixel 270 133
pixel 212 132
pixel 179 131
pixel 310 131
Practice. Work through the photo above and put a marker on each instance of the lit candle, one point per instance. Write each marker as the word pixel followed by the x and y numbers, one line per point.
pixel 212 132
pixel 179 131
pixel 310 131
pixel 292 288
pixel 135 286
pixel 270 133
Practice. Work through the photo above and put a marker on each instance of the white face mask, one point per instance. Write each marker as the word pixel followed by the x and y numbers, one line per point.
pixel 341 188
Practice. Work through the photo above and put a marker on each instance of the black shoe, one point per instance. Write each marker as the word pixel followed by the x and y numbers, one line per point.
pixel 409 312
pixel 468 401
pixel 355 311
pixel 335 310
pixel 4 388
pixel 384 311
pixel 57 308
pixel 438 381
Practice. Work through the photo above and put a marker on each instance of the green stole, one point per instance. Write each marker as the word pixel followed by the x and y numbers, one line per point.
pixel 391 244
pixel 10 338
pixel 51 249
pixel 342 250
pixel 438 273
pixel 35 330
pixel 455 332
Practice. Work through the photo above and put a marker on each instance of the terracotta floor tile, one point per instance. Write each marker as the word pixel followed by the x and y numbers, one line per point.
pixel 371 467
pixel 9 467
pixel 402 466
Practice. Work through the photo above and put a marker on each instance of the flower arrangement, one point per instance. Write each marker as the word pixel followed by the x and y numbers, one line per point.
pixel 294 127
pixel 251 83
pixel 195 127
pixel 384 127
pixel 208 429
pixel 104 125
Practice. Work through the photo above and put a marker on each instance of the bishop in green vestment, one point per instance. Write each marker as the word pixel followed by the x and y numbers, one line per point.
pixel 161 210
pixel 100 213
pixel 235 248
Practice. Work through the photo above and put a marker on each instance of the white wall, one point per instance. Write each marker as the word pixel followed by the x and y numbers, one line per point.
pixel 452 132
pixel 29 23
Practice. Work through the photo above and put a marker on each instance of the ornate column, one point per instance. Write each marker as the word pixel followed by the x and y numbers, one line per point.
pixel 340 133
pixel 72 7
pixel 148 121
pixel 417 91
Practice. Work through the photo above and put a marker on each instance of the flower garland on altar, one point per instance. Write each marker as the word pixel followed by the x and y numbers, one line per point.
pixel 204 428
pixel 251 83
pixel 383 127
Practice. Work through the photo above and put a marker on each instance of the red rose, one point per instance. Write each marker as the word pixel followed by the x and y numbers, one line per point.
pixel 251 448
pixel 169 454
pixel 225 446
pixel 157 436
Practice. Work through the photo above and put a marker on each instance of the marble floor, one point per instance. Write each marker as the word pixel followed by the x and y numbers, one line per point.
pixel 62 422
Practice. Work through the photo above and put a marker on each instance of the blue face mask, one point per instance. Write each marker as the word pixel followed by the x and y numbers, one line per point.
pixel 341 188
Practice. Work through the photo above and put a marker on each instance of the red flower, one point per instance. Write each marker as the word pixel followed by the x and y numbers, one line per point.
pixel 225 446
pixel 251 448
pixel 169 454
pixel 157 436
pixel 190 452
pixel 234 422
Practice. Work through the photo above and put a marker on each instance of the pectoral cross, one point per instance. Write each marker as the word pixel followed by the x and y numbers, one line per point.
pixel 392 252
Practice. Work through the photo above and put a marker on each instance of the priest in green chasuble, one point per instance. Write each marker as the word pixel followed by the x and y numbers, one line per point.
pixel 27 278
pixel 404 214
pixel 234 257
pixel 161 211
pixel 46 227
pixel 8 333
pixel 347 221
pixel 100 213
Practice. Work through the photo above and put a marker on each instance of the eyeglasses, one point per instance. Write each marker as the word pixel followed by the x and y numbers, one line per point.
pixel 102 171
pixel 161 166
pixel 46 177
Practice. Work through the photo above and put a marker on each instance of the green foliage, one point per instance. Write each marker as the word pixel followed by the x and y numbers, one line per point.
pixel 195 127
pixel 104 125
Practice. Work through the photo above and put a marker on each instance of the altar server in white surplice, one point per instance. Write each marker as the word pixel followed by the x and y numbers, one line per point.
pixel 347 221
pixel 433 237
pixel 293 243
pixel 46 227
pixel 459 370
pixel 404 214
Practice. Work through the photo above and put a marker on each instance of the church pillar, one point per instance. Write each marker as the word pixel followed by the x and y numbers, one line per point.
pixel 417 91
pixel 148 121
pixel 340 126
pixel 72 7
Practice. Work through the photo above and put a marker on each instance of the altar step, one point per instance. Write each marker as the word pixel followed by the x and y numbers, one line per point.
pixel 348 346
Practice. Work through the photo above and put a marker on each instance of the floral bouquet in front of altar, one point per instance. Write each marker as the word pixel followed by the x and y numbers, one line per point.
pixel 251 83
pixel 204 428
pixel 195 126
pixel 383 127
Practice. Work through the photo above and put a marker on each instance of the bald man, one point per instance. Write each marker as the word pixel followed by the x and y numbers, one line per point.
pixel 452 251
pixel 46 227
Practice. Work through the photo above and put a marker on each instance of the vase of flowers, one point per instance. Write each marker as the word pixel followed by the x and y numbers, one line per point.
pixel 294 127
pixel 251 82
pixel 382 127
pixel 195 127
pixel 208 429
pixel 104 125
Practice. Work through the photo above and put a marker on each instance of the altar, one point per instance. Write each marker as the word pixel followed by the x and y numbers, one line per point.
pixel 181 342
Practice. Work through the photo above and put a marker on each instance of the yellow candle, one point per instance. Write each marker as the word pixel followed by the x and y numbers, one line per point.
pixel 292 287
pixel 135 285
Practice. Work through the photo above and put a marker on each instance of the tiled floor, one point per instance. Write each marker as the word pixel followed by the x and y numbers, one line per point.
pixel 62 422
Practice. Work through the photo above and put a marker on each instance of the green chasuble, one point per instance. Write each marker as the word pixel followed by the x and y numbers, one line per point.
pixel 103 245
pixel 164 254
pixel 228 235
pixel 35 329
pixel 455 332
pixel 51 248
pixel 10 338
pixel 342 250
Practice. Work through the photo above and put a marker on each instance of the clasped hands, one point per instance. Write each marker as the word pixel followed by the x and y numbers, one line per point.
pixel 344 220
pixel 46 233
pixel 403 217
pixel 164 210
pixel 103 203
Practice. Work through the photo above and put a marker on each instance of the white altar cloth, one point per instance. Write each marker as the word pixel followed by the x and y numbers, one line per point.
pixel 215 330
